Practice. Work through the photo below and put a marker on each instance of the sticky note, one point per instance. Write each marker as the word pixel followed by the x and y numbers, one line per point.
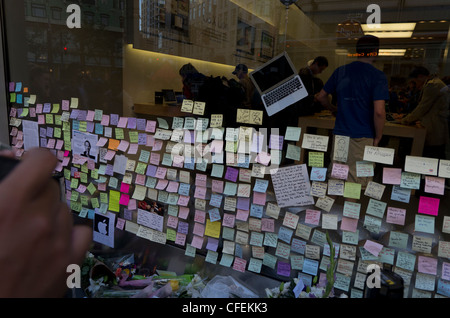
pixel 352 190
pixel 428 205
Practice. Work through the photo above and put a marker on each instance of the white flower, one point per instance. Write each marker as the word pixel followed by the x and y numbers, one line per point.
pixel 95 285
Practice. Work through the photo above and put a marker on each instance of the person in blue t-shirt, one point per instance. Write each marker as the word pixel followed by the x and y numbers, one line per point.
pixel 361 92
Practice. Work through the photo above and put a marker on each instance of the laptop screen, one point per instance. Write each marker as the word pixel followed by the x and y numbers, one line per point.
pixel 273 73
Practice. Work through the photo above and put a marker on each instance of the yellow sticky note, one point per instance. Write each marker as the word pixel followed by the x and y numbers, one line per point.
pixel 216 120
pixel 352 190
pixel 213 228
pixel 187 106
pixel 55 108
pixel 74 102
pixel 114 198
pixel 256 117
pixel 199 108
pixel 243 116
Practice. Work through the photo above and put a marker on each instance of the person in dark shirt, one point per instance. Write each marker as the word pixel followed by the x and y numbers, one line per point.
pixel 361 92
pixel 308 105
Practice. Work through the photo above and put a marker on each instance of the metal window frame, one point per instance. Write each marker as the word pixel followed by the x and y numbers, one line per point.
pixel 4 117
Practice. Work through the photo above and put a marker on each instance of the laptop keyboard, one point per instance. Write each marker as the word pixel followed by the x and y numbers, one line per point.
pixel 282 91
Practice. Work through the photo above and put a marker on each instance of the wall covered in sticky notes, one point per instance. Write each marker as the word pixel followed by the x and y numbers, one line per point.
pixel 242 201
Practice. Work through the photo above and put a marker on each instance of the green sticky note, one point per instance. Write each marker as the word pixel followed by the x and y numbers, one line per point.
pixel 95 203
pixel 134 136
pixel 114 198
pixel 352 190
pixel 315 159
pixel 119 133
pixel 293 152
pixel 171 234
pixel 91 188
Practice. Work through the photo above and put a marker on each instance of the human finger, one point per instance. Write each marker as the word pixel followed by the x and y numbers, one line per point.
pixel 81 240
pixel 32 174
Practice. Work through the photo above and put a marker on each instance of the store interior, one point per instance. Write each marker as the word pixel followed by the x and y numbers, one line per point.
pixel 127 52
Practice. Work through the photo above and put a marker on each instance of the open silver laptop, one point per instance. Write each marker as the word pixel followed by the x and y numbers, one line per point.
pixel 278 83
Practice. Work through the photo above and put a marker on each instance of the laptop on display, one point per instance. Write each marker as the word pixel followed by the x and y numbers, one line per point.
pixel 278 83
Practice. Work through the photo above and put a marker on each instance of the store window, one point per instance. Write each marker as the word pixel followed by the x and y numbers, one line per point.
pixel 191 175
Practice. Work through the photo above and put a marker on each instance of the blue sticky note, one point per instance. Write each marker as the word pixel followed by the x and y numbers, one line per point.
pixel 310 266
pixel 400 194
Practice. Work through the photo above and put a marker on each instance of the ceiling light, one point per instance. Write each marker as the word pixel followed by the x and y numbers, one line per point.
pixel 391 52
pixel 389 30
pixel 391 35
pixel 381 27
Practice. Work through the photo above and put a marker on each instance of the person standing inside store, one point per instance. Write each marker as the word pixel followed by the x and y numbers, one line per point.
pixel 37 237
pixel 361 93
pixel 309 105
pixel 192 80
pixel 431 111
pixel 241 72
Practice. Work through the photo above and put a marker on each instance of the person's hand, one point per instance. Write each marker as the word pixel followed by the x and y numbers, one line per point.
pixel 37 238
pixel 376 141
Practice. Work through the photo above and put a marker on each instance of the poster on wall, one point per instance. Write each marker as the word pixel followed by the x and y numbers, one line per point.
pixel 103 230
pixel 245 38
pixel 267 45
pixel 84 144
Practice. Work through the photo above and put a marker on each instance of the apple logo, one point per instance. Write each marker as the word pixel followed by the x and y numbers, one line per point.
pixel 102 227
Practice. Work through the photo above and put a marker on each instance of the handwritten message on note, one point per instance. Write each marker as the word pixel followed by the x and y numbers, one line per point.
pixel 291 185
pixel 428 166
pixel 315 142
pixel 379 154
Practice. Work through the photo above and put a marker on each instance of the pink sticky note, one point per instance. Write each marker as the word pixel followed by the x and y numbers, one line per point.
pixel 339 171
pixel 183 212
pixel 180 239
pixel 124 199
pixel 151 126
pixel 228 220
pixel 239 264
pixel 197 242
pixel 199 229
pixel 445 271
pixel 267 225
pixel 428 205
pixel 132 204
pixel 200 180
pixel 120 223
pixel 172 221
pixel 259 198
pixel 172 187
pixel 312 217
pixel 373 247
pixel 122 122
pixel 162 184
pixel 434 185
pixel 200 192
pixel 217 186
pixel 349 224
pixel 200 216
pixel 392 175
pixel 242 215
pixel 396 216
pixel 427 265
pixel 124 187
pixel 183 200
